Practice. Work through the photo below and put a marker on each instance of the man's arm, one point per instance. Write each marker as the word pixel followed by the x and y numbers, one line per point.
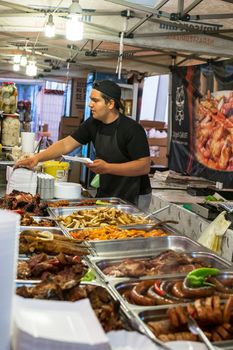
pixel 133 168
pixel 60 147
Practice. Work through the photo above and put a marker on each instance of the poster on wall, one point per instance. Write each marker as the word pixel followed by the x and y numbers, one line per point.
pixel 202 121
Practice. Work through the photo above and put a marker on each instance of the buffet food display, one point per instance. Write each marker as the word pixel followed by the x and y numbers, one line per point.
pixel 149 280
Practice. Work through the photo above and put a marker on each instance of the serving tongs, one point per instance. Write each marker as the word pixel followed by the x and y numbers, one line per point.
pixel 160 224
pixel 195 329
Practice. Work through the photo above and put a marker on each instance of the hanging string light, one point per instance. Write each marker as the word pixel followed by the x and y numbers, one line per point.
pixel 23 60
pixel 16 67
pixel 31 68
pixel 50 27
pixel 16 59
pixel 74 24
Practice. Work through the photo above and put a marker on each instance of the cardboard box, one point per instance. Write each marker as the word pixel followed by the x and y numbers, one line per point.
pixel 149 124
pixel 68 125
pixel 157 141
pixel 161 159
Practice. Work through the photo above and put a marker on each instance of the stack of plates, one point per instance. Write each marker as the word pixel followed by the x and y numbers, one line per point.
pixel 56 325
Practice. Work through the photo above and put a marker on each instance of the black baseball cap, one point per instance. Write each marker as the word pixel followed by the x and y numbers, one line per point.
pixel 109 88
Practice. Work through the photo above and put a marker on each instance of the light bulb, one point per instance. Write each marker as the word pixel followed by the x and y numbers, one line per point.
pixel 23 61
pixel 17 59
pixel 50 27
pixel 74 27
pixel 31 69
pixel 16 67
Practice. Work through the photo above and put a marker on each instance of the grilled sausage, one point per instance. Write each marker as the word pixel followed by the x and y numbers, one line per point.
pixel 159 299
pixel 138 294
pixel 194 293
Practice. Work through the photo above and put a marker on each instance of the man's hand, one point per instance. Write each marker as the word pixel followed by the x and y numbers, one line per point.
pixel 29 163
pixel 99 166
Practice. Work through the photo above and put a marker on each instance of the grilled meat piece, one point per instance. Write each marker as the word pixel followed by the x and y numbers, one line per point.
pixel 23 271
pixel 41 266
pixel 166 262
pixel 24 201
pixel 106 309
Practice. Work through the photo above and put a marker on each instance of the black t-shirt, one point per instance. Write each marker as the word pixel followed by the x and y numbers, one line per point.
pixel 131 139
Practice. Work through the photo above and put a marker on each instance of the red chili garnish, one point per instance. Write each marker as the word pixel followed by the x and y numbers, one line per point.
pixel 157 288
pixel 19 211
pixel 77 258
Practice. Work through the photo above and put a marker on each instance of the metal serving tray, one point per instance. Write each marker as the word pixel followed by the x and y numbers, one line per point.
pixel 31 281
pixel 137 227
pixel 119 287
pixel 143 316
pixel 38 219
pixel 210 259
pixel 111 200
pixel 125 316
pixel 65 211
pixel 145 246
pixel 54 230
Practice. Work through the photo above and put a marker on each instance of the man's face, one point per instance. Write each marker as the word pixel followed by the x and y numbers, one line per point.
pixel 99 107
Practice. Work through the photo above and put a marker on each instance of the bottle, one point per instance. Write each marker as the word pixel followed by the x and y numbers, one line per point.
pixel 10 130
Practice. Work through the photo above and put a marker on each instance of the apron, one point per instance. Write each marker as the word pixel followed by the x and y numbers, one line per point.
pixel 125 187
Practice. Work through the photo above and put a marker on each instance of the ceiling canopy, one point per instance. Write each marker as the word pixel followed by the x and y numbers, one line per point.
pixel 149 36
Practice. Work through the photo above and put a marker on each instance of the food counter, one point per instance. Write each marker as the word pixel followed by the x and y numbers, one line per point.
pixel 127 280
pixel 190 224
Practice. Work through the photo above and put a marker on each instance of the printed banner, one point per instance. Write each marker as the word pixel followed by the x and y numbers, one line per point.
pixel 202 121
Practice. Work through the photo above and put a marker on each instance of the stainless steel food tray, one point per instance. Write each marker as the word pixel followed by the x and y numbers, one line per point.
pixel 65 211
pixel 54 230
pixel 85 261
pixel 143 316
pixel 124 314
pixel 139 227
pixel 38 219
pixel 210 259
pixel 147 246
pixel 118 287
pixel 111 200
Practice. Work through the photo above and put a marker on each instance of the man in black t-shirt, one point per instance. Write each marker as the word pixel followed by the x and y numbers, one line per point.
pixel 122 151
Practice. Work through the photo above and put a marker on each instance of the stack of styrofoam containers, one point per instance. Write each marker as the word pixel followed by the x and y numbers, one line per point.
pixel 56 325
pixel 45 185
pixel 21 179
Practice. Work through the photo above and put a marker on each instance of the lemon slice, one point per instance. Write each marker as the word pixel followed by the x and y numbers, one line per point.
pixel 45 236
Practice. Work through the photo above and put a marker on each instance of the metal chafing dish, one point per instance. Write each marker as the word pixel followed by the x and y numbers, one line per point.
pixel 136 227
pixel 65 211
pixel 86 262
pixel 119 286
pixel 128 322
pixel 99 264
pixel 145 246
pixel 142 316
pixel 38 219
pixel 54 230
pixel 109 201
